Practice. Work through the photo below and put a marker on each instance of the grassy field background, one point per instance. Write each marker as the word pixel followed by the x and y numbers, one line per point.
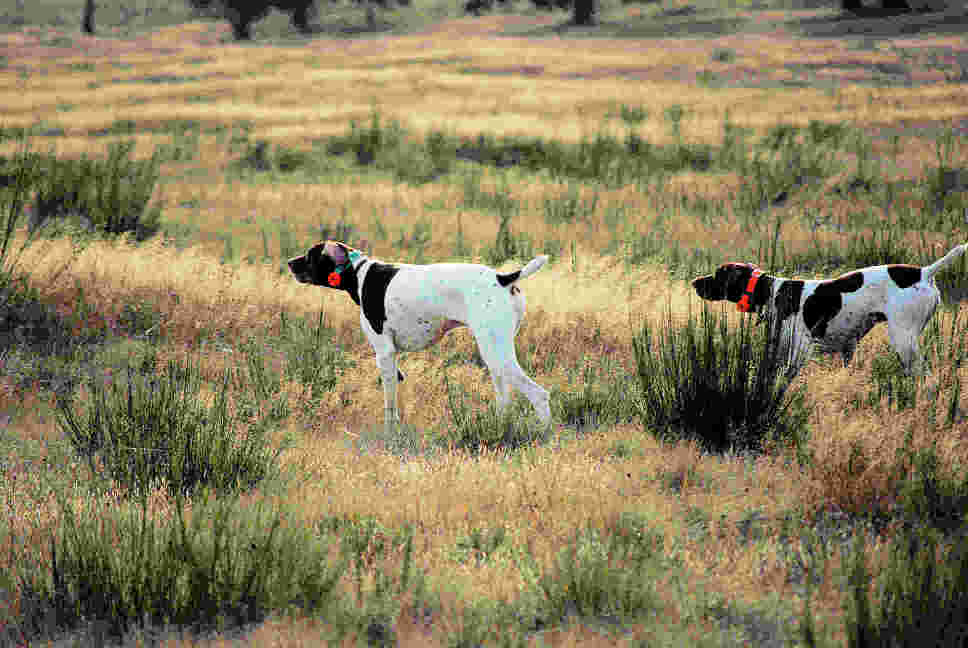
pixel 250 175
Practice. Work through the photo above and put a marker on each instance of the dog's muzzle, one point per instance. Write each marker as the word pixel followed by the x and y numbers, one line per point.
pixel 299 267
pixel 707 288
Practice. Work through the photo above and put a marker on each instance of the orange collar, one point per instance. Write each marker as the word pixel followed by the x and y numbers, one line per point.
pixel 745 303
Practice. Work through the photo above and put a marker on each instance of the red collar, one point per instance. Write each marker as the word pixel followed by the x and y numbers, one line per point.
pixel 745 303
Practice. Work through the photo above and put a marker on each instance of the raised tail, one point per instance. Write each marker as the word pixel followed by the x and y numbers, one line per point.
pixel 533 266
pixel 944 262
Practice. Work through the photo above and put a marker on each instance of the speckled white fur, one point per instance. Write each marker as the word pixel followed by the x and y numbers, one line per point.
pixel 425 301
pixel 907 311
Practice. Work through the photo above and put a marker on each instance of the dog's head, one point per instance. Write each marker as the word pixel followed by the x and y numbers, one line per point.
pixel 728 283
pixel 329 264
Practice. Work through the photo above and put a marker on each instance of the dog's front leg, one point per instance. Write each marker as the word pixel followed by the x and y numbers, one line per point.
pixel 796 346
pixel 387 362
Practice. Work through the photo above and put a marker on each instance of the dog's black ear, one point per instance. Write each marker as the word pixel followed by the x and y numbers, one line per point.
pixel 338 252
pixel 321 265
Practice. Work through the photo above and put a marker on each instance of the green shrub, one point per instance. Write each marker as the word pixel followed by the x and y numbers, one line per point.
pixel 378 588
pixel 18 175
pixel 121 568
pixel 725 388
pixel 388 146
pixel 569 208
pixel 491 428
pixel 604 574
pixel 312 357
pixel 508 245
pixel 606 396
pixel 929 496
pixel 151 429
pixel 30 331
pixel 920 598
pixel 479 544
pixel 476 198
pixel 262 157
pixel 110 196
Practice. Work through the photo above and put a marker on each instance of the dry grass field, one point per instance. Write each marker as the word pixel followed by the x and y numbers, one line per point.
pixel 745 537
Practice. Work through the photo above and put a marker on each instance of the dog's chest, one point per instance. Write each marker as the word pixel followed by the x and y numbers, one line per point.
pixel 420 306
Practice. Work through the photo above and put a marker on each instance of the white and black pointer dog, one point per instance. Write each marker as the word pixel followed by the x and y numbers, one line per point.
pixel 833 315
pixel 409 307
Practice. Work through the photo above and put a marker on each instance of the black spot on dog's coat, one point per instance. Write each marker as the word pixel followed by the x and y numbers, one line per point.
pixel 850 282
pixel 508 278
pixel 904 276
pixel 375 285
pixel 787 300
pixel 762 291
pixel 350 284
pixel 827 300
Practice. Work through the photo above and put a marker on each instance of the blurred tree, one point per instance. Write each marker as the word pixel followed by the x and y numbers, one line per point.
pixel 88 23
pixel 242 13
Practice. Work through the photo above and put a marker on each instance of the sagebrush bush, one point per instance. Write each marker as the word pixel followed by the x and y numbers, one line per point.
pixel 156 428
pixel 312 357
pixel 110 196
pixel 919 597
pixel 723 387
pixel 606 396
pixel 604 574
pixel 489 429
pixel 123 567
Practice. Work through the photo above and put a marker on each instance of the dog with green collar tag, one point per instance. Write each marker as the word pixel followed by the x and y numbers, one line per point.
pixel 407 307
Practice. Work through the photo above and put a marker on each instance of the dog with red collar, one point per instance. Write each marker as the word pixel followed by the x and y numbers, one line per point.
pixel 833 315
pixel 410 307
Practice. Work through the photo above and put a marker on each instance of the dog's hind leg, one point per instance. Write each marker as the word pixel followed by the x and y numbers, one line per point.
pixel 496 346
pixel 904 326
pixel 905 342
pixel 534 392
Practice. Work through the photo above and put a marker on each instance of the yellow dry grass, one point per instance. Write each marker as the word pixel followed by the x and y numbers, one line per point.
pixel 464 79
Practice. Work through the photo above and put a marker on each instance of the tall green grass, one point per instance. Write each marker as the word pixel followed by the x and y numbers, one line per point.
pixel 110 196
pixel 18 174
pixel 723 387
pixel 221 565
pixel 917 598
pixel 490 429
pixel 312 358
pixel 151 429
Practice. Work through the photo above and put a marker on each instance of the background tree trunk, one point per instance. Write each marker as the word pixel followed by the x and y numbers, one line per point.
pixel 898 5
pixel 88 24
pixel 584 12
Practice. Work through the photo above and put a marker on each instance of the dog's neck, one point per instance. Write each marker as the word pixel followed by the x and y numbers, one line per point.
pixel 349 273
pixel 763 294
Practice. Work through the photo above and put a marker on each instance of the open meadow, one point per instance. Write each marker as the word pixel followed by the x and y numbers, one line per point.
pixel 193 451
